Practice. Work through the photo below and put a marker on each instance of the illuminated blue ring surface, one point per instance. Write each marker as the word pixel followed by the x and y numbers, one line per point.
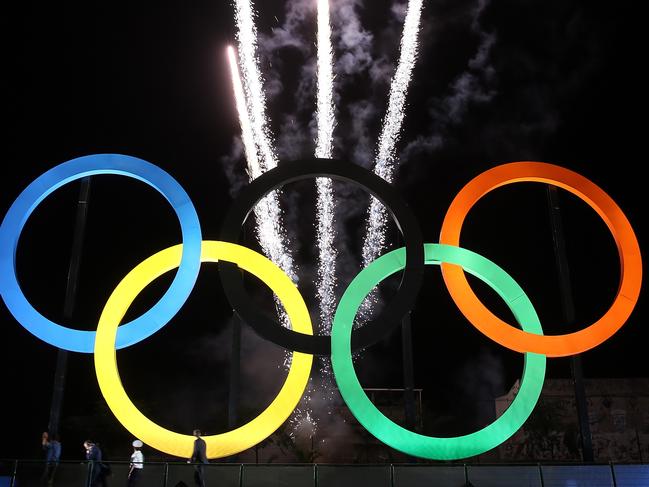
pixel 156 317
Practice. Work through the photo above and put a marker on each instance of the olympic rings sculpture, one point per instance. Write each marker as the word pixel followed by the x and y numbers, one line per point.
pixel 232 258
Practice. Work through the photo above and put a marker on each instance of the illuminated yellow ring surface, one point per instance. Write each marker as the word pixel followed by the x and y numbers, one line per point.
pixel 177 444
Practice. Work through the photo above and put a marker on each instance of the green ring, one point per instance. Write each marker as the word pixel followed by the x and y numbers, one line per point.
pixel 391 433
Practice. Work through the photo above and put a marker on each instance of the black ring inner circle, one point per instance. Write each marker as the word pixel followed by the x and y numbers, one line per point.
pixel 373 330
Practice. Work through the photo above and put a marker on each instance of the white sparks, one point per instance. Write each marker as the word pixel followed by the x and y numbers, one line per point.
pixel 386 153
pixel 260 154
pixel 270 231
pixel 325 203
pixel 326 119
pixel 253 85
pixel 247 135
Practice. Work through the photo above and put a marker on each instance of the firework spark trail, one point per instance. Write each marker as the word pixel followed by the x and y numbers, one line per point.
pixel 247 135
pixel 385 162
pixel 266 227
pixel 325 203
pixel 325 235
pixel 252 81
pixel 270 231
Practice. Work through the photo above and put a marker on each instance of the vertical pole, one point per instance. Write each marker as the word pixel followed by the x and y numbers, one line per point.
pixel 391 475
pixel 315 475
pixel 235 370
pixel 541 476
pixel 68 307
pixel 166 475
pixel 561 258
pixel 241 475
pixel 421 412
pixel 408 373
pixel 408 376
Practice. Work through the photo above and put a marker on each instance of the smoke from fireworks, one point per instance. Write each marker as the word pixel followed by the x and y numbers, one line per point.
pixel 258 146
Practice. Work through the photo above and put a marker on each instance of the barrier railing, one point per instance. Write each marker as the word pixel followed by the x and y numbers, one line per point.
pixel 32 473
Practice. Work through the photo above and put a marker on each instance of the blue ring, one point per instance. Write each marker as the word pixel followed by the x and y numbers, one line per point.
pixel 151 321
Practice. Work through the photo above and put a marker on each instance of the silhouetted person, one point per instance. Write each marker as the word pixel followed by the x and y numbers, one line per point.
pixel 199 456
pixel 99 472
pixel 52 449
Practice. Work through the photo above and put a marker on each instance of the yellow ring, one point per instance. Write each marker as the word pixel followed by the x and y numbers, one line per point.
pixel 223 444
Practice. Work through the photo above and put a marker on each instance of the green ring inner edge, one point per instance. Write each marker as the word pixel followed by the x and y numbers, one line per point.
pixel 392 434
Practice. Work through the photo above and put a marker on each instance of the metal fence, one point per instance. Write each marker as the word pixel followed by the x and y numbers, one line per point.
pixel 29 473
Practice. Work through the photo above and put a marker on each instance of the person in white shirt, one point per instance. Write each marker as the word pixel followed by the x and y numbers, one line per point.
pixel 137 464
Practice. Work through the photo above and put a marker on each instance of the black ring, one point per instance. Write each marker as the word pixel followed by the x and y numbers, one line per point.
pixel 287 172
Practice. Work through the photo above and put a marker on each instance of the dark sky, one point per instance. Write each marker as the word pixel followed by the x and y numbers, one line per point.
pixel 500 81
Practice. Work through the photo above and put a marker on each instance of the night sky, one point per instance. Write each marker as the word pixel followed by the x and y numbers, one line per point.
pixel 496 81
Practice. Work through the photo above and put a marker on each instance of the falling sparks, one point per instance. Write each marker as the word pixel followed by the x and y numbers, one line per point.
pixel 325 202
pixel 302 422
pixel 247 135
pixel 270 231
pixel 385 162
pixel 252 81
pixel 260 155
pixel 326 283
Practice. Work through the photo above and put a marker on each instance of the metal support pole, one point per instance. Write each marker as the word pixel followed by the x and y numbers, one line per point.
pixel 568 306
pixel 541 476
pixel 235 371
pixel 315 475
pixel 166 475
pixel 408 373
pixel 241 475
pixel 68 307
pixel 391 475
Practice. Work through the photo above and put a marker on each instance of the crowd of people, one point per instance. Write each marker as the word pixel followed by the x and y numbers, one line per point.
pixel 100 470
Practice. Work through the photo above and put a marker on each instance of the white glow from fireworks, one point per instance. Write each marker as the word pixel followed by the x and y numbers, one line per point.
pixel 326 118
pixel 325 199
pixel 247 135
pixel 270 231
pixel 252 81
pixel 260 155
pixel 268 217
pixel 374 241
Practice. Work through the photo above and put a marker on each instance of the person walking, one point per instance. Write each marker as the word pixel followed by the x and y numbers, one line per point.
pixel 137 464
pixel 99 471
pixel 199 457
pixel 52 448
